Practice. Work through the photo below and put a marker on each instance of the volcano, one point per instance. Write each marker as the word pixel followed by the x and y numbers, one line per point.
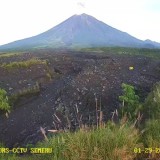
pixel 81 31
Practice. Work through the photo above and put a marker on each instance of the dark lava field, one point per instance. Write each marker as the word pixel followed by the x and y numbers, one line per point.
pixel 70 86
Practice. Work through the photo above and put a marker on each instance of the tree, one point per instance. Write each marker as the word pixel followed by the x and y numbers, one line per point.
pixel 130 102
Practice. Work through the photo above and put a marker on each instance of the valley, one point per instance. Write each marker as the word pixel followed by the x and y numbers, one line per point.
pixel 46 86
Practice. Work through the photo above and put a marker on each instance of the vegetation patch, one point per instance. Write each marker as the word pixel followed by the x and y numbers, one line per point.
pixel 4 102
pixel 152 53
pixel 9 54
pixel 24 92
pixel 151 137
pixel 107 142
pixel 23 64
pixel 130 102
pixel 152 103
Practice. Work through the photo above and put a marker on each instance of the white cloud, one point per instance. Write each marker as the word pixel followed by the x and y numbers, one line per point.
pixel 81 4
pixel 80 7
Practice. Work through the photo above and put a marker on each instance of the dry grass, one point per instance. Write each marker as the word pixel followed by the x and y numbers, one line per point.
pixel 107 142
pixel 4 55
pixel 23 64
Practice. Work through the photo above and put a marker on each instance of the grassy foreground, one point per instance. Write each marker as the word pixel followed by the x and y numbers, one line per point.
pixel 107 142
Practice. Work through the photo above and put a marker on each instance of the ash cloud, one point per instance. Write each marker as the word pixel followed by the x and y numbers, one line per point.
pixel 81 4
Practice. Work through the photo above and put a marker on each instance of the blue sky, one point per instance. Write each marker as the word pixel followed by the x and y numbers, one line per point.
pixel 24 18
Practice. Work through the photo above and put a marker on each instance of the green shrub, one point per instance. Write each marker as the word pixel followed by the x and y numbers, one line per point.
pixel 130 102
pixel 151 136
pixel 152 103
pixel 152 133
pixel 4 103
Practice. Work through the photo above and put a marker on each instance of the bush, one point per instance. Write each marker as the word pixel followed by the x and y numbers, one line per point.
pixel 130 102
pixel 4 103
pixel 152 103
pixel 152 133
pixel 151 137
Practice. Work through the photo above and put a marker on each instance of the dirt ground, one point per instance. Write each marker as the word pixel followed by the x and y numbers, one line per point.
pixel 78 80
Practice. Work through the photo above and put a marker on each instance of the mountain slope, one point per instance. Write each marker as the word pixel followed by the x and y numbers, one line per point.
pixel 79 30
